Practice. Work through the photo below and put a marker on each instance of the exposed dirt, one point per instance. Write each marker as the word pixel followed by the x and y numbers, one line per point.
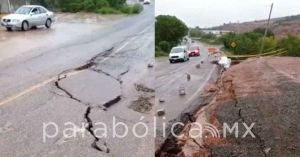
pixel 262 91
pixel 144 103
pixel 143 88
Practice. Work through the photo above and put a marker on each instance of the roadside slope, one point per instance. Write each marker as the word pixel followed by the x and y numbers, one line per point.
pixel 262 91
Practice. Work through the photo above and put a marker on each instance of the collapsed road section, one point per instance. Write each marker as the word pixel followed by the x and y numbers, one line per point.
pixel 258 99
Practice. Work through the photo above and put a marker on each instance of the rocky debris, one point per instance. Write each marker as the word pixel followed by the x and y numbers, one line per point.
pixel 211 88
pixel 188 77
pixel 161 100
pixel 143 88
pixel 161 112
pixel 181 91
pixel 142 105
pixel 150 65
pixel 202 62
pixel 198 66
pixel 214 62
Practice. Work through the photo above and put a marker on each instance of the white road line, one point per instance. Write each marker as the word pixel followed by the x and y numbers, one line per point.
pixel 202 86
pixel 39 85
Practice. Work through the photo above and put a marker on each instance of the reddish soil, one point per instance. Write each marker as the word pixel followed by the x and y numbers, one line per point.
pixel 263 91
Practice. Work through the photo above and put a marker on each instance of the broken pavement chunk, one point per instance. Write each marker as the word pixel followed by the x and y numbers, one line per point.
pixel 143 88
pixel 161 100
pixel 150 65
pixel 211 88
pixel 181 91
pixel 161 112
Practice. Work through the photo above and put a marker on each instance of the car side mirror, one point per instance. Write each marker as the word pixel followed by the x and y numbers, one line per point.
pixel 31 13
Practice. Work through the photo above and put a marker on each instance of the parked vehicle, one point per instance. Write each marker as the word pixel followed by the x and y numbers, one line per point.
pixel 147 2
pixel 194 51
pixel 28 16
pixel 179 53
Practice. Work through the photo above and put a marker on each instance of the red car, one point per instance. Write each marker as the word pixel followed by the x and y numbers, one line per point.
pixel 194 51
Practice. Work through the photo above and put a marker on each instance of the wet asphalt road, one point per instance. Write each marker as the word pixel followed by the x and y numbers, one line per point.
pixel 80 73
pixel 171 77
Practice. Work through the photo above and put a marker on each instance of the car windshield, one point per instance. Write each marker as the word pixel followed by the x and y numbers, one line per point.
pixel 194 48
pixel 177 50
pixel 23 10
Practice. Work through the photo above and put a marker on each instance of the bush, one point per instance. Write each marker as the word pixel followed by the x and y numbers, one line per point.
pixel 107 10
pixel 132 9
pixel 261 31
pixel 85 5
pixel 88 5
pixel 196 32
pixel 116 3
pixel 137 8
pixel 74 7
pixel 101 4
pixel 164 46
pixel 160 54
pixel 291 44
pixel 126 9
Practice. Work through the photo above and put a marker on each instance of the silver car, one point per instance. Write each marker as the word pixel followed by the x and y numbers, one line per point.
pixel 179 53
pixel 28 16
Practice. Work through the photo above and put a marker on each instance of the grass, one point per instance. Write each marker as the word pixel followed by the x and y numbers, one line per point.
pixel 126 9
pixel 160 54
pixel 210 41
pixel 108 10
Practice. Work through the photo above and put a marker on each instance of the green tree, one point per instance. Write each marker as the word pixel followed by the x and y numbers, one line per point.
pixel 116 3
pixel 196 32
pixel 260 30
pixel 169 29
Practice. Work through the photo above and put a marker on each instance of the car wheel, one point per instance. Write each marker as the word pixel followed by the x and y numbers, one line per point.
pixel 48 23
pixel 9 29
pixel 25 26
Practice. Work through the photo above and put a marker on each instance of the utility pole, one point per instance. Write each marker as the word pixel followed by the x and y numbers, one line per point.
pixel 266 31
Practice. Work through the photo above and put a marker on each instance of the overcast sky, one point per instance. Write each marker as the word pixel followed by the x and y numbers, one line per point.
pixel 207 13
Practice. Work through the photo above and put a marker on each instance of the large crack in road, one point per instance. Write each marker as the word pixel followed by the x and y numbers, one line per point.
pixel 94 66
pixel 103 147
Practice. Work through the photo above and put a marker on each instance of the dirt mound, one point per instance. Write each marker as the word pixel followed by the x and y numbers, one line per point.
pixel 264 92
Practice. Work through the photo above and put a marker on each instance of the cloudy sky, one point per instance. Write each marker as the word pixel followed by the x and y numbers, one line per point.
pixel 207 13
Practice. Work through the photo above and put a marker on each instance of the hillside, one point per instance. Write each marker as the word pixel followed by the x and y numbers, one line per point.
pixel 281 26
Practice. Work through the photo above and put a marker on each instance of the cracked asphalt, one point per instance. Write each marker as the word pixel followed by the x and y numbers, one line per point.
pixel 171 77
pixel 80 73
